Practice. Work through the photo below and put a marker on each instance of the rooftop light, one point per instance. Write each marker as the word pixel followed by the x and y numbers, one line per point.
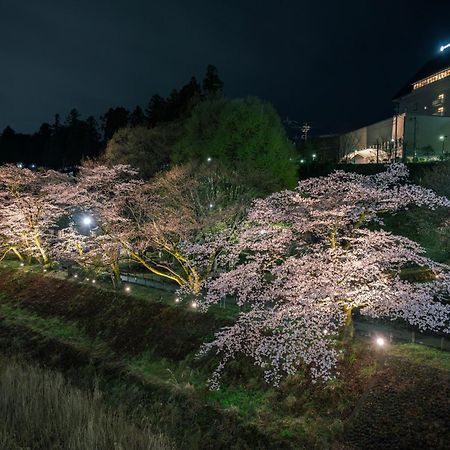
pixel 444 47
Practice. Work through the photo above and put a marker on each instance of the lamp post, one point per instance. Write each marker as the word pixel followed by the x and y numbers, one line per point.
pixel 87 221
pixel 442 139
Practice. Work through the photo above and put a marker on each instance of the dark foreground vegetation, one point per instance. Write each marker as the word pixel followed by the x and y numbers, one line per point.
pixel 139 353
pixel 40 410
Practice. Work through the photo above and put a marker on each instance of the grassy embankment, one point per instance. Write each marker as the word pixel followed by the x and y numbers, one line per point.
pixel 141 350
pixel 39 410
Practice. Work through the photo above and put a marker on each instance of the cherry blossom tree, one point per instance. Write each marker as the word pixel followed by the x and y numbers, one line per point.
pixel 152 223
pixel 29 212
pixel 99 232
pixel 182 207
pixel 303 260
pixel 91 249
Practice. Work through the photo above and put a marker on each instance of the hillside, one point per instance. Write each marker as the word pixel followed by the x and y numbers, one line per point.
pixel 140 350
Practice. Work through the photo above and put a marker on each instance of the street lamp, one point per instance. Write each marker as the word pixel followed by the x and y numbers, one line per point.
pixel 314 156
pixel 87 221
pixel 442 139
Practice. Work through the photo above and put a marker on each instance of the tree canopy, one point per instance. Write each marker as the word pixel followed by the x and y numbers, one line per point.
pixel 147 149
pixel 304 259
pixel 244 134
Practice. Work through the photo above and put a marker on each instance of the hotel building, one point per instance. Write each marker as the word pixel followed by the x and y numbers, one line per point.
pixel 418 131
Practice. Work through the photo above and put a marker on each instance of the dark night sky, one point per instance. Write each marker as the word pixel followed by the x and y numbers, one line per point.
pixel 334 63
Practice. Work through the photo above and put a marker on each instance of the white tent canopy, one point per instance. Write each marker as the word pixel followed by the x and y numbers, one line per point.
pixel 366 156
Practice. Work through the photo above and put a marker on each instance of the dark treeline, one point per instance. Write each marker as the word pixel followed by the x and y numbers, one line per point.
pixel 64 143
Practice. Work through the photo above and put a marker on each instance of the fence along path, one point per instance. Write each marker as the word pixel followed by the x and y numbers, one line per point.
pixel 364 328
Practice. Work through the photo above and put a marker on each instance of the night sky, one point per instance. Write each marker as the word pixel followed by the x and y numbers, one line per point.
pixel 334 63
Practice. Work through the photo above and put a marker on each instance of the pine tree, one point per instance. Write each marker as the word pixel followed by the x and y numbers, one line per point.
pixel 212 84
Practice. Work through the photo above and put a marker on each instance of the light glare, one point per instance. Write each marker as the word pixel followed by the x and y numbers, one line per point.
pixel 87 220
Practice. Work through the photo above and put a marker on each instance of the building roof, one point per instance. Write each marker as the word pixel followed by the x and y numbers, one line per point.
pixel 433 66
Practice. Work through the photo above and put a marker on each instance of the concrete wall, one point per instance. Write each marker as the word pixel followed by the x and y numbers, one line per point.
pixel 418 134
pixel 422 136
pixel 379 136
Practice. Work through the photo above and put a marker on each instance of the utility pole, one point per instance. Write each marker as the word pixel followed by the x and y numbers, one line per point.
pixel 305 129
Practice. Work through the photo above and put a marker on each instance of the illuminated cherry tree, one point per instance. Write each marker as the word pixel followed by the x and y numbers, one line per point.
pixel 305 259
pixel 150 223
pixel 183 206
pixel 99 232
pixel 29 212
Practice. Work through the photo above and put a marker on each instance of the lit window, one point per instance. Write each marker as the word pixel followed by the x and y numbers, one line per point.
pixel 436 77
pixel 440 110
pixel 441 97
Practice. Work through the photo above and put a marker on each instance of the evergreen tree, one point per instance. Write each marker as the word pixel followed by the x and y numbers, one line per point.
pixel 113 120
pixel 156 109
pixel 212 84
pixel 137 117
pixel 189 95
pixel 73 117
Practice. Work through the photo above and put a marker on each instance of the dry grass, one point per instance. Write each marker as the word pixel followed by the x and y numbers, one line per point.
pixel 39 410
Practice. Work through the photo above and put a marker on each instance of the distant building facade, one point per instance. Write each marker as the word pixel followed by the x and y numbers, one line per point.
pixel 421 128
pixel 428 91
